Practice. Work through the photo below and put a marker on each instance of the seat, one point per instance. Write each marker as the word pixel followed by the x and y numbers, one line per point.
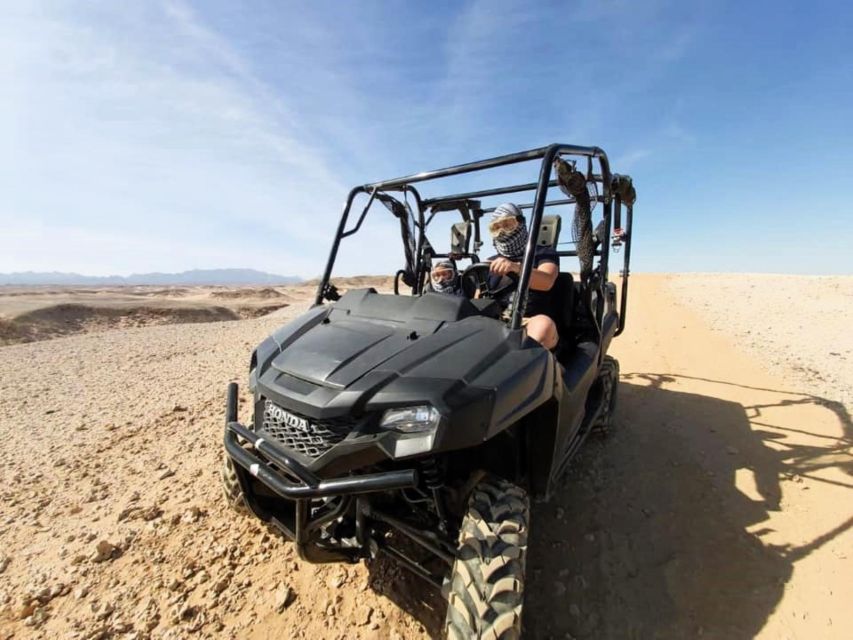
pixel 460 238
pixel 563 303
pixel 549 231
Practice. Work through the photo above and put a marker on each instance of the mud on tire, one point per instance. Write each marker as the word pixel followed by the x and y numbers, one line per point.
pixel 609 375
pixel 486 588
pixel 231 486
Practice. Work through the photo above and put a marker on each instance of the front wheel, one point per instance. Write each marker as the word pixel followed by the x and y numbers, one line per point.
pixel 609 376
pixel 231 486
pixel 487 580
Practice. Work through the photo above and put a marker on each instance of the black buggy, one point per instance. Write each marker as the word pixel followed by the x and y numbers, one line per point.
pixel 419 425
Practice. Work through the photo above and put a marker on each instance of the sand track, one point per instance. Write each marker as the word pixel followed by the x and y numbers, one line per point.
pixel 720 505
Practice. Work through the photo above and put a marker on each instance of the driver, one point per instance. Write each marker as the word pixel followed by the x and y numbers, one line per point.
pixel 509 234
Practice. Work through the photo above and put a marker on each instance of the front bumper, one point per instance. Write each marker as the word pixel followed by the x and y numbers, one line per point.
pixel 304 484
pixel 284 476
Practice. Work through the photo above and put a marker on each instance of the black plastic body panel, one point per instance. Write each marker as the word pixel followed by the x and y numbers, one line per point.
pixel 369 352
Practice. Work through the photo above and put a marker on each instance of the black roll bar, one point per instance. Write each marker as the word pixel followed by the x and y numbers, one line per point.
pixel 342 233
pixel 550 153
pixel 626 266
pixel 547 154
pixel 489 163
pixel 497 191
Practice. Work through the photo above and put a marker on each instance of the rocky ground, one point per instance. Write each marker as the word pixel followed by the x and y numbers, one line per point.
pixel 719 506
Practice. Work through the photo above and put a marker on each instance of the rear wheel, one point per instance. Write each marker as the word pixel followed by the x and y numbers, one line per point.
pixel 487 580
pixel 609 376
pixel 231 486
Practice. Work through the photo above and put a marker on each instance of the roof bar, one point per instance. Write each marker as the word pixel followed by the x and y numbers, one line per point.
pixel 552 203
pixel 489 163
pixel 518 188
pixel 473 195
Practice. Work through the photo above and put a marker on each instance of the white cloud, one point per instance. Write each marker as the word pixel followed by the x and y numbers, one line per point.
pixel 134 123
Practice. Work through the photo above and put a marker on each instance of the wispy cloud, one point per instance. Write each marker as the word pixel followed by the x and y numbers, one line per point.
pixel 120 132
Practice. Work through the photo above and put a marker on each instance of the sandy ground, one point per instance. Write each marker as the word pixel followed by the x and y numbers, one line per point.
pixel 719 506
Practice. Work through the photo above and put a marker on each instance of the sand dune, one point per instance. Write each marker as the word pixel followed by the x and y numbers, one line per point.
pixel 357 282
pixel 28 315
pixel 718 507
pixel 263 293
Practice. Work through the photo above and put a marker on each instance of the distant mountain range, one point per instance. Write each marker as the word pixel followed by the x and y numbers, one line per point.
pixel 194 277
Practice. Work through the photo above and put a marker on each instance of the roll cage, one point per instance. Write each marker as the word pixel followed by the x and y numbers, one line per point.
pixel 417 249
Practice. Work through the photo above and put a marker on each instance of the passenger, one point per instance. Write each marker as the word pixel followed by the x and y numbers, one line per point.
pixel 509 234
pixel 444 278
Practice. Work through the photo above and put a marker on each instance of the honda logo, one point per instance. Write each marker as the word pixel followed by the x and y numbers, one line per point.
pixel 287 418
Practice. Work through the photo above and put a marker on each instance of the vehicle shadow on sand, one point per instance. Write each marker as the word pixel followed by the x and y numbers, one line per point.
pixel 651 536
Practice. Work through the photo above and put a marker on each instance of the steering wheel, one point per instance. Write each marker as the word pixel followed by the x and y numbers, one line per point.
pixel 476 276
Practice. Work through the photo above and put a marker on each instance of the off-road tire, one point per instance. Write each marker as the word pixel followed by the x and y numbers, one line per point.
pixel 486 589
pixel 609 375
pixel 231 486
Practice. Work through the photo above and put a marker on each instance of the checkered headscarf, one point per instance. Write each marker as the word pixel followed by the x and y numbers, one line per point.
pixel 511 245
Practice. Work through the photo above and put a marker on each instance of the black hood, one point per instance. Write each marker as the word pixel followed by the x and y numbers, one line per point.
pixel 368 332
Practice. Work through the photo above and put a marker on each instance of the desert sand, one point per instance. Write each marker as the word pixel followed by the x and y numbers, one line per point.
pixel 719 506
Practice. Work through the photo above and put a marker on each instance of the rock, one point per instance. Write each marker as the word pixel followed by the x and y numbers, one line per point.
pixel 191 515
pixel 4 562
pixel 364 616
pixel 335 582
pixel 151 513
pixel 103 610
pixel 221 585
pixel 167 473
pixel 559 589
pixel 38 617
pixel 26 610
pixel 104 551
pixel 732 451
pixel 128 513
pixel 179 409
pixel 284 597
pixel 574 610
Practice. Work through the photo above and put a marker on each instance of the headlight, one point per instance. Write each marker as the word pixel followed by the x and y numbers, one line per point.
pixel 417 419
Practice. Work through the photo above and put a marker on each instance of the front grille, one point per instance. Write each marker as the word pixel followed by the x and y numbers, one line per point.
pixel 311 438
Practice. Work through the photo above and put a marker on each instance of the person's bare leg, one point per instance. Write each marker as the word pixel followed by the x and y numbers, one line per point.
pixel 542 329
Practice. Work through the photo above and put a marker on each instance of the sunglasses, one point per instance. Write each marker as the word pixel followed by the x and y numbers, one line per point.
pixel 507 224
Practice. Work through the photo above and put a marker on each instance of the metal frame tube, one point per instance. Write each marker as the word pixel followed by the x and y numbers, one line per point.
pixel 309 486
pixel 520 300
pixel 413 534
pixel 333 253
pixel 546 153
pixel 626 269
pixel 497 191
pixel 489 163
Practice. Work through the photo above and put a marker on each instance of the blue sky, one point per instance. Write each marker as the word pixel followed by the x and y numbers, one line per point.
pixel 146 136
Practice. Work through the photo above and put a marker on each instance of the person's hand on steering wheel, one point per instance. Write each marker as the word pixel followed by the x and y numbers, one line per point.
pixel 503 267
pixel 477 278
